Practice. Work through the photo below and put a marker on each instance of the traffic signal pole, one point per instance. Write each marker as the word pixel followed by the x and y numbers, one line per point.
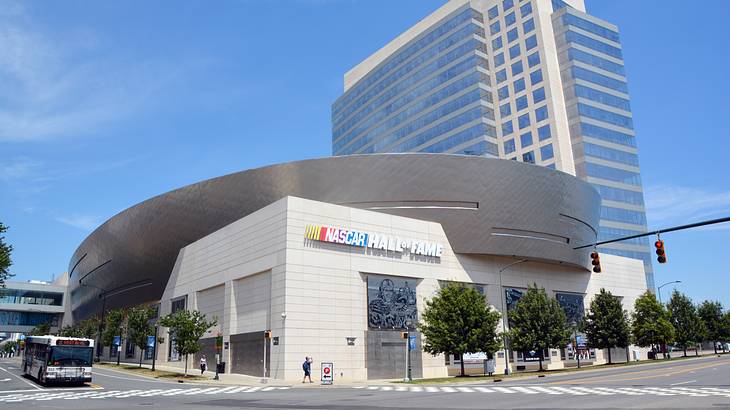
pixel 657 232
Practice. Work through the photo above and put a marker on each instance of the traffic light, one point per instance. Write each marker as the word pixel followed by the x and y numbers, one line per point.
pixel 596 262
pixel 404 335
pixel 267 334
pixel 660 252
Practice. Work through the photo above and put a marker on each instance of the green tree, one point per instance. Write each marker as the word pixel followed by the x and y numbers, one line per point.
pixel 689 329
pixel 711 315
pixel 651 324
pixel 138 320
pixel 115 325
pixel 607 324
pixel 725 329
pixel 5 260
pixel 458 320
pixel 186 328
pixel 538 322
pixel 87 328
pixel 41 329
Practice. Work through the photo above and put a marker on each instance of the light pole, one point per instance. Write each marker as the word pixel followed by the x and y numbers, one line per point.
pixel 504 313
pixel 659 289
pixel 659 292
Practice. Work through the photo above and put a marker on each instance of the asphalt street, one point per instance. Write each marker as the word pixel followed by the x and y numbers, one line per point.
pixel 682 384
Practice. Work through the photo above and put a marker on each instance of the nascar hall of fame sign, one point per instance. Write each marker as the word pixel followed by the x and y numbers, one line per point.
pixel 362 239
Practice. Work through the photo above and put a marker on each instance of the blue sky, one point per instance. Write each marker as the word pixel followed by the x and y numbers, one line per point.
pixel 105 104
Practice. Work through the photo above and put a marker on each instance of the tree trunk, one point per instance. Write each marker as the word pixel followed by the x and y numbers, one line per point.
pixel 186 365
pixel 609 356
pixel 714 345
pixel 685 352
pixel 461 360
pixel 541 369
pixel 627 355
pixel 140 357
pixel 697 349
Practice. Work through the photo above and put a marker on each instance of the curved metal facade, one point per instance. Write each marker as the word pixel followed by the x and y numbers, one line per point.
pixel 486 206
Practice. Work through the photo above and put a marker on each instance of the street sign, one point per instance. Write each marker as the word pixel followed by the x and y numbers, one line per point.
pixel 412 342
pixel 117 341
pixel 150 341
pixel 328 373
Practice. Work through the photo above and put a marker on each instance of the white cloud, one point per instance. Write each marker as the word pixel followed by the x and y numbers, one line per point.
pixel 668 205
pixel 83 222
pixel 18 168
pixel 69 86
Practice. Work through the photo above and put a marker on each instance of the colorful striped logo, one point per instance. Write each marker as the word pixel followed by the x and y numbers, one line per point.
pixel 366 240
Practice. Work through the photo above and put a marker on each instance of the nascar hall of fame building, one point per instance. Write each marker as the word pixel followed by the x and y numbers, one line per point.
pixel 338 256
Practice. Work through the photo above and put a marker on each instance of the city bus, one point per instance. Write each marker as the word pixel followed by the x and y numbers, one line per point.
pixel 53 359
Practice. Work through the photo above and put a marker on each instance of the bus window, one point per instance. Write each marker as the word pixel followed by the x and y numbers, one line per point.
pixel 70 356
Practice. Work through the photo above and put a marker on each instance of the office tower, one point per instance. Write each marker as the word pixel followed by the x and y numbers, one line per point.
pixel 537 81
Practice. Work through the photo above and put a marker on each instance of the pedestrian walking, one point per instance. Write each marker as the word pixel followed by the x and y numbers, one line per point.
pixel 307 367
pixel 203 364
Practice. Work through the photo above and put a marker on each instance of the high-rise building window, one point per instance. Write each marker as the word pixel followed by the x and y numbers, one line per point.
pixel 494 27
pixel 507 4
pixel 493 12
pixel 541 113
pixel 524 120
pixel 498 59
pixel 514 51
pixel 512 35
pixel 546 152
pixel 536 77
pixel 509 19
pixel 503 92
pixel 509 146
pixel 528 157
pixel 519 85
pixel 538 95
pixel 531 42
pixel 526 9
pixel 606 116
pixel 507 128
pixel 505 110
pixel 521 103
pixel 497 43
pixel 501 75
pixel 543 132
pixel 593 44
pixel 526 139
pixel 528 26
pixel 533 59
pixel 516 68
pixel 573 20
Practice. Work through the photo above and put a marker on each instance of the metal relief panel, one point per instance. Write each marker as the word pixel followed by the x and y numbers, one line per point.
pixel 572 304
pixel 392 303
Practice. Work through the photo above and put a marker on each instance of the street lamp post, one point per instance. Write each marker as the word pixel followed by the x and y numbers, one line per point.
pixel 504 314
pixel 659 289
pixel 659 292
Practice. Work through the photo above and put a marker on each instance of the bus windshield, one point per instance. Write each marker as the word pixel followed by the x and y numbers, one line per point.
pixel 70 356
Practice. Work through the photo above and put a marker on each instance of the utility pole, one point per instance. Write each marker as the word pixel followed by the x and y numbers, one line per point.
pixel 154 349
pixel 503 304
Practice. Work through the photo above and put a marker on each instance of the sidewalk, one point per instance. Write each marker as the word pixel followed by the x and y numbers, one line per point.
pixel 234 378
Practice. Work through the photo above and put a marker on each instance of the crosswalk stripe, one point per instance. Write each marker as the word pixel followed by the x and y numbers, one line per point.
pixel 524 390
pixel 504 390
pixel 690 392
pixel 569 391
pixel 659 391
pixel 544 390
pixel 448 389
pixel 386 388
pixel 431 389
pixel 227 389
pixel 630 391
pixel 483 390
pixel 590 390
pixel 416 389
pixel 465 389
pixel 237 389
pixel 253 389
pixel 401 388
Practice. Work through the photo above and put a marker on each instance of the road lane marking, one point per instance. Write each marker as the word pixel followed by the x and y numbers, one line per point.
pixel 680 383
pixel 22 379
pixel 612 377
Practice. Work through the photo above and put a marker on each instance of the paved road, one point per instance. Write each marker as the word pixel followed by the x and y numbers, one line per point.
pixel 701 383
